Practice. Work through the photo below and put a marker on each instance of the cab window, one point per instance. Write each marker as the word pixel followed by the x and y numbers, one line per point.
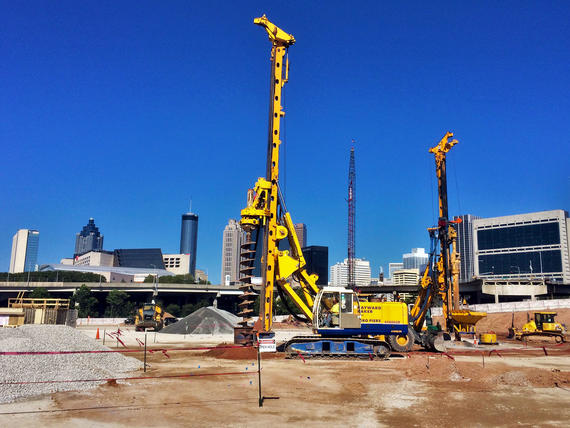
pixel 346 303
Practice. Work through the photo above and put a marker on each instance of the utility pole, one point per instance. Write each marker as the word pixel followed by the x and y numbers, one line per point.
pixel 351 217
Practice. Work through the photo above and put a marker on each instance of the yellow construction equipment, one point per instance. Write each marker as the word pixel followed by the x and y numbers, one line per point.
pixel 150 316
pixel 488 338
pixel 441 275
pixel 342 324
pixel 543 324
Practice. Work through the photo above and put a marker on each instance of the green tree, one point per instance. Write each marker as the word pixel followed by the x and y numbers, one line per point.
pixel 116 304
pixel 173 309
pixel 50 276
pixel 187 309
pixel 39 293
pixel 280 307
pixel 86 301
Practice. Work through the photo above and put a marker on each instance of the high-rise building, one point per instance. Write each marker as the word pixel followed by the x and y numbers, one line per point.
pixel 189 238
pixel 406 277
pixel 89 239
pixel 301 231
pixel 317 259
pixel 25 245
pixel 417 259
pixel 392 267
pixel 465 245
pixel 233 237
pixel 534 245
pixel 339 273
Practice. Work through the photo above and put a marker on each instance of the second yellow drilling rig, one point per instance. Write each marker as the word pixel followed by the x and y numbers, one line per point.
pixel 441 276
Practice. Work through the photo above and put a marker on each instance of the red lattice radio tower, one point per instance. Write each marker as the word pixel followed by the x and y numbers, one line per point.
pixel 351 217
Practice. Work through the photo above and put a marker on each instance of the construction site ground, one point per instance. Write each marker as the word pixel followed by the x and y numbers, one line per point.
pixel 517 386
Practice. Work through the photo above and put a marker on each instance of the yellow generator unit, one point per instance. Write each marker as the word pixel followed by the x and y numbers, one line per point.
pixel 488 338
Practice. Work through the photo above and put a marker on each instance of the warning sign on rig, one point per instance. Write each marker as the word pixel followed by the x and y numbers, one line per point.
pixel 266 342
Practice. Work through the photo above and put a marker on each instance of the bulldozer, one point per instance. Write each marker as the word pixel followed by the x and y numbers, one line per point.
pixel 543 324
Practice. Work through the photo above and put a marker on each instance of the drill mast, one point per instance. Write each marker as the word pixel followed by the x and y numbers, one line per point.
pixel 266 215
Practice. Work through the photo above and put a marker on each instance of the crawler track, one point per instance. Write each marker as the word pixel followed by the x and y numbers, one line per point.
pixel 349 348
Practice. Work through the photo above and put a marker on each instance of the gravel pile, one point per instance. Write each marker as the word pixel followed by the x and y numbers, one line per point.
pixel 27 368
pixel 208 320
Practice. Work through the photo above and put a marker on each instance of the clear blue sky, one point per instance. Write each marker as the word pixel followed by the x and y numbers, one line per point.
pixel 123 111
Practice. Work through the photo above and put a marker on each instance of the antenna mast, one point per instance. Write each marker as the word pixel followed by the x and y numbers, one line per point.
pixel 351 217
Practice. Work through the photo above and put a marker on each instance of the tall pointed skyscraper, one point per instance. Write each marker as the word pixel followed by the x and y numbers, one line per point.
pixel 89 239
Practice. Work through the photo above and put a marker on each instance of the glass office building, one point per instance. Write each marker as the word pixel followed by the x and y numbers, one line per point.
pixel 317 259
pixel 523 246
pixel 24 257
pixel 150 258
pixel 417 259
pixel 189 238
pixel 465 246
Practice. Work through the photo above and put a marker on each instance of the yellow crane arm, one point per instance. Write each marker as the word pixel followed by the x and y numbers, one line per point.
pixel 276 34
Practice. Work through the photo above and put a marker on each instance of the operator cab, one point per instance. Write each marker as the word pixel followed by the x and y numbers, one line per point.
pixel 336 308
pixel 541 318
pixel 149 310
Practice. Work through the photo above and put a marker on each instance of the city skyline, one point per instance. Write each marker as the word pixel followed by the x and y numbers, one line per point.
pixel 130 87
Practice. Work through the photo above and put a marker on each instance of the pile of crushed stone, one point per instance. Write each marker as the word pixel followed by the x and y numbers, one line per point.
pixel 61 367
pixel 208 320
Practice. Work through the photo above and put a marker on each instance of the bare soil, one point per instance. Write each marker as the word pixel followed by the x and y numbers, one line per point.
pixel 419 390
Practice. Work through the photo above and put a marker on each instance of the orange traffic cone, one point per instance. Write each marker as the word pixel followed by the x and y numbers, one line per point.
pixel 97 336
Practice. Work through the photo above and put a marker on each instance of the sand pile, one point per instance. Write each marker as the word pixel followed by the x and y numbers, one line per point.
pixel 208 320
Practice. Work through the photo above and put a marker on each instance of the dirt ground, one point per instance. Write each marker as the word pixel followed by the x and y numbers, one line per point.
pixel 528 389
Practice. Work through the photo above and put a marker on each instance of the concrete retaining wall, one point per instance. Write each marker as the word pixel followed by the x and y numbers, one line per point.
pixel 531 305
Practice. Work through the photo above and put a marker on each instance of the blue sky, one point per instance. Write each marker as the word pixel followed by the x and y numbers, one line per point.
pixel 123 111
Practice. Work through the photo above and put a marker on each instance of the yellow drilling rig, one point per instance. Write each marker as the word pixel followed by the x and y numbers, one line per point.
pixel 342 325
pixel 441 275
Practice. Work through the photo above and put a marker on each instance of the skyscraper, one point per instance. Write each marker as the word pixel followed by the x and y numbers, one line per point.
pixel 317 259
pixel 25 245
pixel 189 238
pixel 465 246
pixel 417 259
pixel 301 231
pixel 232 239
pixel 392 267
pixel 362 275
pixel 89 239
